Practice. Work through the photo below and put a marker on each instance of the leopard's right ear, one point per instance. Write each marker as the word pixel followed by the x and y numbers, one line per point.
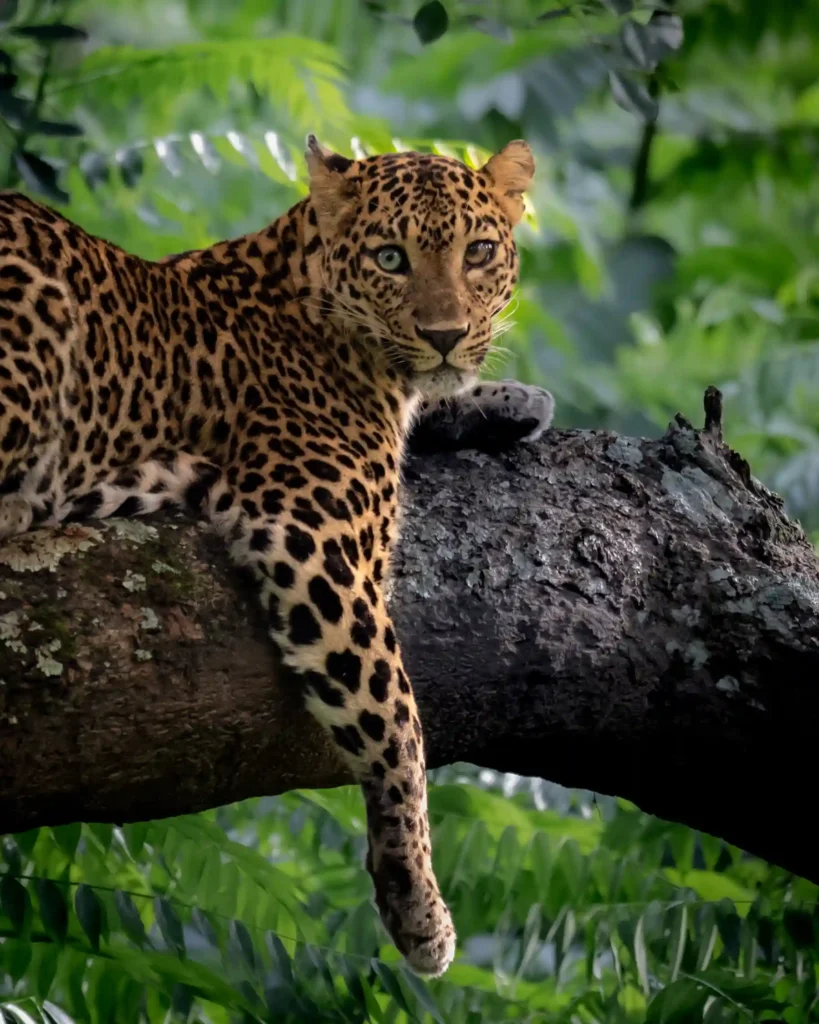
pixel 510 172
pixel 333 190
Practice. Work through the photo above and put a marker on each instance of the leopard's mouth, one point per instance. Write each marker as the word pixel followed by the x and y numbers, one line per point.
pixel 443 382
pixel 429 373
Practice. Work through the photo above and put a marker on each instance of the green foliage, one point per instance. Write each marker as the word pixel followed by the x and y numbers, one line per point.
pixel 302 76
pixel 261 912
pixel 671 243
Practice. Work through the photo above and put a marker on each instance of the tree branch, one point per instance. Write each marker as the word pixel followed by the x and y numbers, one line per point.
pixel 630 616
pixel 642 160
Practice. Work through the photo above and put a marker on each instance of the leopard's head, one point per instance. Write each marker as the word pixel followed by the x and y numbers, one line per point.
pixel 417 254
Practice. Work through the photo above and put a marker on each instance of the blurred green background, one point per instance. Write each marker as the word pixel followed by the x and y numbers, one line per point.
pixel 671 244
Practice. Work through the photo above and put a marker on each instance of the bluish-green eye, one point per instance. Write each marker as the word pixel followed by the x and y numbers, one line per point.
pixel 478 254
pixel 392 258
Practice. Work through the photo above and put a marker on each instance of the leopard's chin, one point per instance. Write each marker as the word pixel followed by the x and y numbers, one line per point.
pixel 443 382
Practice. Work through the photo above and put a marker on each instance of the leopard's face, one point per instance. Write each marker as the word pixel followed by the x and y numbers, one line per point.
pixel 418 256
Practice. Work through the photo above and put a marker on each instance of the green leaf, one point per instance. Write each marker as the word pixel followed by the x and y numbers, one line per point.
pixel 279 999
pixel 135 832
pixel 683 842
pixel 390 984
pixel 678 1003
pixel 319 960
pixel 95 170
pixel 131 165
pixel 713 886
pixel 169 925
pixel 55 1015
pixel 171 970
pixel 39 175
pixel 44 969
pixel 423 995
pixel 352 979
pixel 241 944
pixel 15 902
pixel 53 908
pixel 679 936
pixel 374 1010
pixel 541 856
pixel 640 956
pixel 634 43
pixel 11 855
pixel 204 926
pixel 54 33
pixel 632 95
pixel 16 1014
pixel 708 935
pixel 755 993
pixel 129 916
pixel 665 33
pixel 60 129
pixel 211 873
pixel 806 108
pixel 26 841
pixel 431 21
pixel 711 848
pixel 89 914
pixel 531 941
pixel 68 836
pixel 280 957
pixel 16 957
pixel 182 1001
pixel 104 833
pixel 75 968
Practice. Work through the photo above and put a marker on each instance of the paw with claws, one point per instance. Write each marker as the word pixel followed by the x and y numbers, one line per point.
pixel 490 416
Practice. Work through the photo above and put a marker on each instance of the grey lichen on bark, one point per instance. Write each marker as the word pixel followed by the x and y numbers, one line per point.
pixel 637 617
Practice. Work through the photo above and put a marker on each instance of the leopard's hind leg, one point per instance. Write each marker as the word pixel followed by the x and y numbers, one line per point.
pixel 166 480
pixel 37 332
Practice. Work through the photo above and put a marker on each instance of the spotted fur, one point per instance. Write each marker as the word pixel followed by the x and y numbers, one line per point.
pixel 269 382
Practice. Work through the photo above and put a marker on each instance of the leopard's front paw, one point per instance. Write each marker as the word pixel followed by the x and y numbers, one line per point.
pixel 415 915
pixel 489 416
pixel 525 407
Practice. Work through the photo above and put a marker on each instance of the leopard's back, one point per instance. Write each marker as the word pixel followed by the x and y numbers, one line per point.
pixel 38 336
pixel 98 357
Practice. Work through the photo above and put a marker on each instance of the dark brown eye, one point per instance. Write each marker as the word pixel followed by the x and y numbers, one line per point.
pixel 478 254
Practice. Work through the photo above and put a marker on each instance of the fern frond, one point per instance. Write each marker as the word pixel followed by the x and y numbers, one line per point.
pixel 301 76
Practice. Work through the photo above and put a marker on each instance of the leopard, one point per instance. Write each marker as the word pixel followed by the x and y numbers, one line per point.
pixel 269 383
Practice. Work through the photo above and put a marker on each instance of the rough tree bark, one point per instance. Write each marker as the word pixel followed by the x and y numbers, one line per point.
pixel 630 616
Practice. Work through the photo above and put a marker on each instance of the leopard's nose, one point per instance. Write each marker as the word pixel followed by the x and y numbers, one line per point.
pixel 442 341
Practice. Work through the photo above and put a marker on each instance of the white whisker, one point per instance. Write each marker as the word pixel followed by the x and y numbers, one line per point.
pixel 472 400
pixel 500 329
pixel 342 311
pixel 509 309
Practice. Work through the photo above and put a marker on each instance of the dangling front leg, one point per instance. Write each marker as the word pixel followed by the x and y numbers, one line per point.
pixel 328 617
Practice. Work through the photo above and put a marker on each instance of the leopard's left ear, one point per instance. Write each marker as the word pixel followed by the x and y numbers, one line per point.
pixel 510 172
pixel 333 191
